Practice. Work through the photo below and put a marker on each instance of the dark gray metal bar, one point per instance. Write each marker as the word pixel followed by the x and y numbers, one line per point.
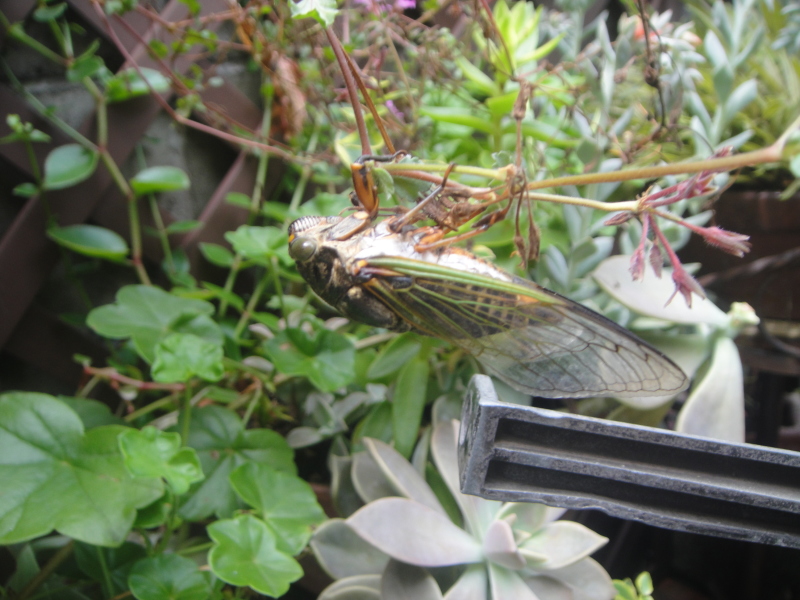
pixel 516 453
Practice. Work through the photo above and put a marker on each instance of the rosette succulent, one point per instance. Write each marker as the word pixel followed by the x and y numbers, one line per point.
pixel 402 539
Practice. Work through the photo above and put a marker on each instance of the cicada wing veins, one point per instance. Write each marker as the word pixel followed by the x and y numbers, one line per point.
pixel 538 342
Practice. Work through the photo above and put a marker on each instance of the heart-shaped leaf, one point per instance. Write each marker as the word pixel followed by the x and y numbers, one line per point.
pixel 331 364
pixel 287 504
pixel 154 453
pixel 223 444
pixel 168 577
pixel 181 356
pixel 148 314
pixel 245 554
pixel 55 476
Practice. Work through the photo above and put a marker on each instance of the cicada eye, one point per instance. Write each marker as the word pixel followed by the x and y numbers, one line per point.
pixel 302 248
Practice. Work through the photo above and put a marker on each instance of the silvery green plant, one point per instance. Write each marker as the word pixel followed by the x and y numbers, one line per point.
pixel 403 540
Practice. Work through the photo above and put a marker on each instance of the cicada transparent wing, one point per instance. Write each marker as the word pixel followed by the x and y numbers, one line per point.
pixel 535 340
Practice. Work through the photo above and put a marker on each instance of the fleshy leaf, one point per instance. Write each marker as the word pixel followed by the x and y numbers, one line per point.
pixel 403 478
pixel 287 504
pixel 148 314
pixel 586 579
pixel 369 479
pixel 508 584
pixel 181 356
pixel 68 165
pixel 472 585
pixel 159 179
pixel 500 547
pixel 245 554
pixel 168 577
pixel 342 553
pixel 563 543
pixel 478 512
pixel 90 240
pixel 650 295
pixel 432 541
pixel 154 453
pixel 223 444
pixel 57 477
pixel 357 587
pixel 401 581
pixel 715 408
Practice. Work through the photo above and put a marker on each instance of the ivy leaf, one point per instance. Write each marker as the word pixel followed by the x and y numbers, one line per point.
pixel 327 358
pixel 90 240
pixel 181 356
pixel 148 314
pixel 245 554
pixel 322 11
pixel 287 504
pixel 223 444
pixel 68 165
pixel 159 179
pixel 55 476
pixel 154 453
pixel 260 244
pixel 168 577
pixel 109 564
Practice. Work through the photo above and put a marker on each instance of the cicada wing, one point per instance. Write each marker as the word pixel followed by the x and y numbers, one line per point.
pixel 533 339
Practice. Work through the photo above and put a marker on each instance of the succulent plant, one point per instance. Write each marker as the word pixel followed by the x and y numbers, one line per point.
pixel 408 541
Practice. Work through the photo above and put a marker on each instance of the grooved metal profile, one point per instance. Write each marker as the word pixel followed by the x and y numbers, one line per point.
pixel 516 453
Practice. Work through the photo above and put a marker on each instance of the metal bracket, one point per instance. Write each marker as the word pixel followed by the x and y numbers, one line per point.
pixel 516 453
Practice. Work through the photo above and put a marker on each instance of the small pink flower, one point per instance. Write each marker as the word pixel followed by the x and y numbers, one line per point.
pixel 730 242
pixel 379 6
pixel 685 284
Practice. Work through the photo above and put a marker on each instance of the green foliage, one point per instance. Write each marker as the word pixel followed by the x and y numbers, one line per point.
pixel 219 380
pixel 68 165
pixel 62 477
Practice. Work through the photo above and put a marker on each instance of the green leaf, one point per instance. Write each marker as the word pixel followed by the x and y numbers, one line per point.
pixel 182 356
pixel 287 504
pixel 154 453
pixel 109 564
pixel 68 165
pixel 148 314
pixel 408 403
pixel 91 412
pixel 55 476
pixel 327 358
pixel 223 444
pixel 216 254
pixel 459 116
pixel 90 240
pixel 394 355
pixel 159 179
pixel 322 11
pixel 85 66
pixel 219 292
pixel 43 14
pixel 129 84
pixel 245 554
pixel 260 244
pixel 168 577
pixel 25 190
pixel 183 227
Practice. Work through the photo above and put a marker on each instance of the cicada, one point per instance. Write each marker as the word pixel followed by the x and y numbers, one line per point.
pixel 533 339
